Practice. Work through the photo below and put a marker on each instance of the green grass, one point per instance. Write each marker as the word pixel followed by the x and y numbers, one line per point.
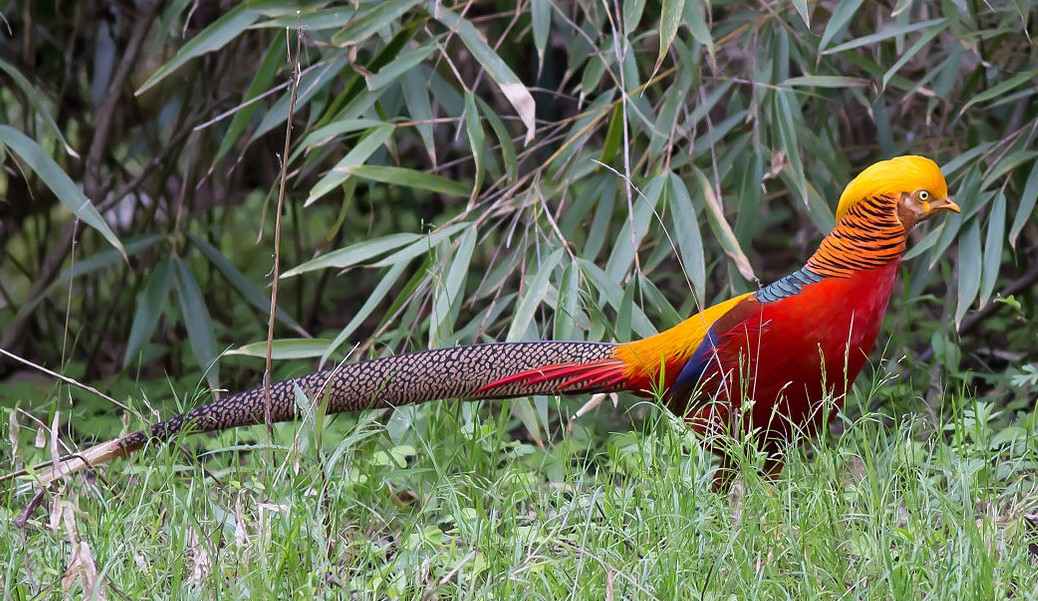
pixel 452 507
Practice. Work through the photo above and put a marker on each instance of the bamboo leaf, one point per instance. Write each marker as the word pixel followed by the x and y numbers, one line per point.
pixel 423 245
pixel 697 25
pixel 566 308
pixel 540 19
pixel 55 178
pixel 1027 202
pixel 503 138
pixel 377 296
pixel 533 295
pixel 150 305
pixel 506 79
pixel 35 98
pixel 969 269
pixel 993 242
pixel 448 295
pixel 376 17
pixel 884 34
pixel 273 60
pixel 401 176
pixel 686 234
pixel 197 322
pixel 354 254
pixel 839 20
pixel 632 15
pixel 823 81
pixel 284 348
pixel 477 141
pixel 1000 89
pixel 368 145
pixel 402 64
pixel 415 88
pixel 722 230
pixel 803 10
pixel 670 19
pixel 241 284
pixel 220 33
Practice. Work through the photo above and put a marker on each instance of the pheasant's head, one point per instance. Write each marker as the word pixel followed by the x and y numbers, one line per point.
pixel 914 182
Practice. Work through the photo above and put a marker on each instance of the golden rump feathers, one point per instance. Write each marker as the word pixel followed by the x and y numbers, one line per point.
pixel 909 173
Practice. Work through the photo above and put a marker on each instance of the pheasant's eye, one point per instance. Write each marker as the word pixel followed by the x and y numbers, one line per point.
pixel 924 195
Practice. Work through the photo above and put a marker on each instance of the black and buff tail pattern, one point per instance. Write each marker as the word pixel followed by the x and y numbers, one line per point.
pixel 463 372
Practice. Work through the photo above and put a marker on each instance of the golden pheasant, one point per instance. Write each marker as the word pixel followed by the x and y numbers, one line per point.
pixel 786 346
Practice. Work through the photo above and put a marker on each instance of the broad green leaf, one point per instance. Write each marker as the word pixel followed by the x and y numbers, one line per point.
pixel 377 296
pixel 838 21
pixel 566 309
pixel 670 19
pixel 477 141
pixel 504 139
pixel 401 176
pixel 614 136
pixel 371 142
pixel 694 18
pixel 970 266
pixel 416 96
pixel 334 130
pixel 540 19
pixel 1007 164
pixel 311 81
pixel 273 60
pixel 804 11
pixel 1000 89
pixel 197 322
pixel 284 348
pixel 1027 202
pixel 374 18
pixel 787 122
pixel 449 292
pixel 922 42
pixel 823 81
pixel 220 33
pixel 241 284
pixel 35 98
pixel 630 235
pixel 499 71
pixel 354 254
pixel 55 178
pixel 993 242
pixel 723 231
pixel 687 236
pixel 405 62
pixel 632 15
pixel 150 305
pixel 423 245
pixel 533 295
pixel 612 294
pixel 884 34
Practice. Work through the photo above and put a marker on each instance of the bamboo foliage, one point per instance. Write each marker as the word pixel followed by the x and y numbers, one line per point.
pixel 589 170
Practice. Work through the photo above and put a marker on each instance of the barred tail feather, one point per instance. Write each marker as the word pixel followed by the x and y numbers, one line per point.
pixel 495 370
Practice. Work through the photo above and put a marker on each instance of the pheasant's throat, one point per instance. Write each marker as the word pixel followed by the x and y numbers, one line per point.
pixel 870 235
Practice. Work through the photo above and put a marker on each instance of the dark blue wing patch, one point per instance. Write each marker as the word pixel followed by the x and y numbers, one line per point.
pixel 696 364
pixel 788 286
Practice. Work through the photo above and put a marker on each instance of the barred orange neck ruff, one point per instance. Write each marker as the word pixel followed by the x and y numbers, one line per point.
pixel 869 235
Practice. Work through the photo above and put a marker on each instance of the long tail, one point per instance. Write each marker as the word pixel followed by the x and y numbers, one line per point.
pixel 489 371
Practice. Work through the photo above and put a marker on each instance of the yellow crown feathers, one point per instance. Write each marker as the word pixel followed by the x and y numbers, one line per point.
pixel 900 174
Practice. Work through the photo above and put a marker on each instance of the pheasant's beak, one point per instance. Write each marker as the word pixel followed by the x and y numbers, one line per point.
pixel 945 204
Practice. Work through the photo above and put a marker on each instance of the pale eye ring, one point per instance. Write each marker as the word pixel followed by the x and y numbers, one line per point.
pixel 924 195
